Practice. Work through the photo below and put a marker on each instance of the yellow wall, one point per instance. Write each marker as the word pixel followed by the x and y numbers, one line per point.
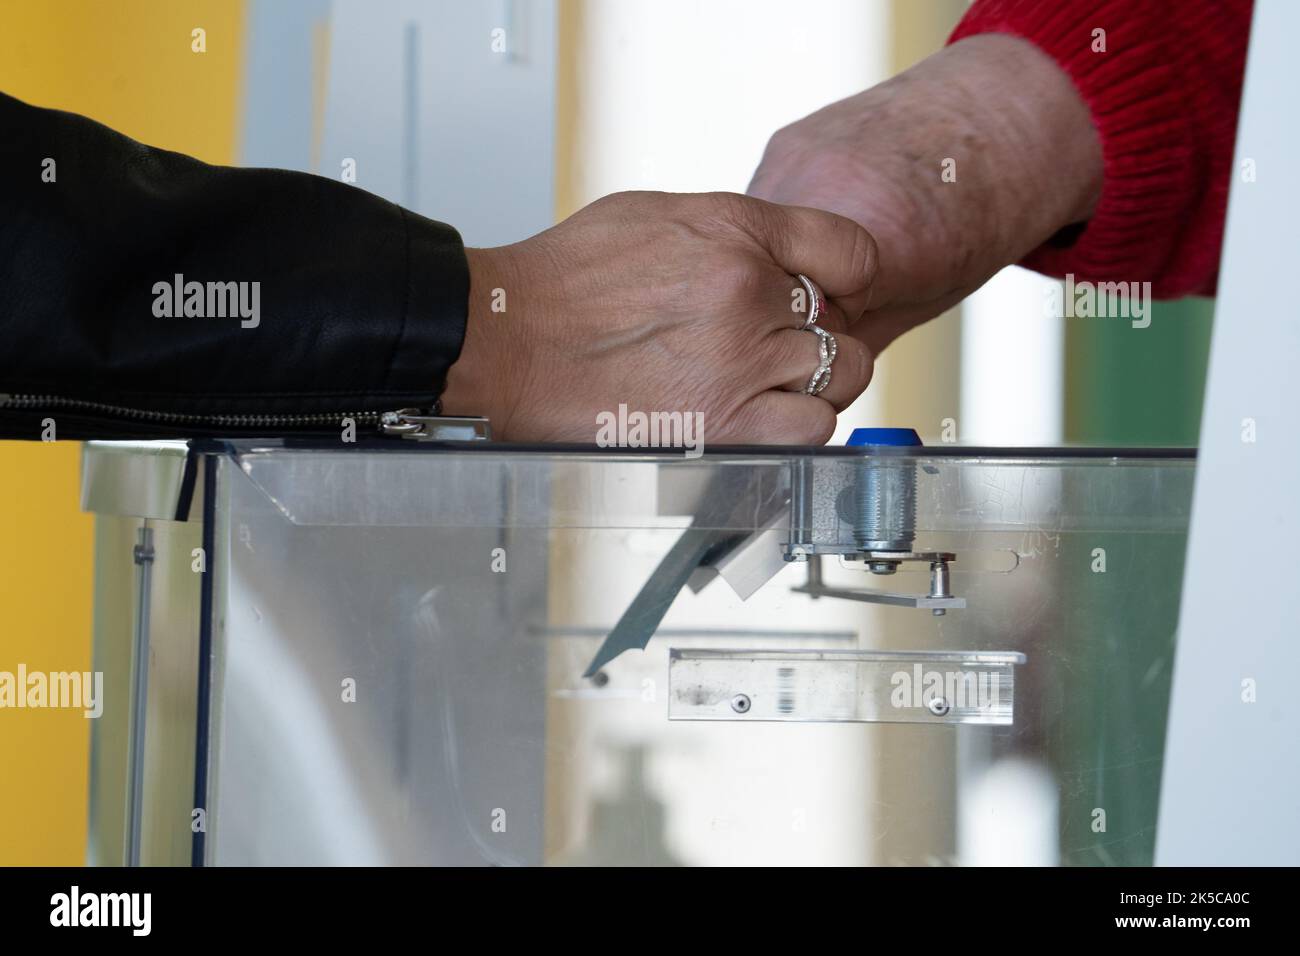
pixel 128 64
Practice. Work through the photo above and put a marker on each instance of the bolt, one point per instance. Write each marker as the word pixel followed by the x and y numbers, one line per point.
pixel 740 704
pixel 938 706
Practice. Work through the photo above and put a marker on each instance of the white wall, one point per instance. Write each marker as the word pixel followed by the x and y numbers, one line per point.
pixel 682 95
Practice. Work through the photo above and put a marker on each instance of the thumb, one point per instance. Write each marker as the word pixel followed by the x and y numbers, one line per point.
pixel 832 250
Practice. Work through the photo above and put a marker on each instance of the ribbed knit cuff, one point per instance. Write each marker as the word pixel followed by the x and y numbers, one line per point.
pixel 1154 221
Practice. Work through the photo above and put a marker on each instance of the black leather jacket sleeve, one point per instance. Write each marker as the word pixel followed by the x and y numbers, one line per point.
pixel 145 293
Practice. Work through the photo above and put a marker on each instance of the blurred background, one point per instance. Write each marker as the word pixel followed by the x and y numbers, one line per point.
pixel 501 117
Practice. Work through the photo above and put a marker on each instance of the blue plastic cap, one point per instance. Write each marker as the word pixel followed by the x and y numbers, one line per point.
pixel 883 436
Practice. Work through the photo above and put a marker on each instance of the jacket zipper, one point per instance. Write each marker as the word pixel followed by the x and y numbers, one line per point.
pixel 392 422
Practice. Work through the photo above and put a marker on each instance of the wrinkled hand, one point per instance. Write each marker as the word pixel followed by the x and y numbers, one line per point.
pixel 665 302
pixel 993 113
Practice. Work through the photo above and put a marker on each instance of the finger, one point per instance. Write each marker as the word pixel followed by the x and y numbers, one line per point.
pixel 800 304
pixel 850 372
pixel 783 418
pixel 853 306
pixel 792 356
pixel 832 250
pixel 790 299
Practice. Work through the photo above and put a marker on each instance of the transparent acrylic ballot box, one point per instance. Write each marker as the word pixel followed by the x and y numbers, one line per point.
pixel 430 653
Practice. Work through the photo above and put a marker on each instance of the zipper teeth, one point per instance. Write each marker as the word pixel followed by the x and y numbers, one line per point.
pixel 186 418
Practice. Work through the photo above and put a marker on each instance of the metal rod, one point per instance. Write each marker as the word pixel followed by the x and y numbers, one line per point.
pixel 923 601
pixel 142 555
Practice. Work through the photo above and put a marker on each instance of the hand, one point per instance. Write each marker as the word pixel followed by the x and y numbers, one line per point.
pixel 1025 162
pixel 664 303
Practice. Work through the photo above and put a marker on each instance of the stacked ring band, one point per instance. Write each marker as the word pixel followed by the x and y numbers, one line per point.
pixel 827 347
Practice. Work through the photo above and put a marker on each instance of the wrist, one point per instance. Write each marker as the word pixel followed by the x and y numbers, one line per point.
pixel 1035 143
pixel 1008 157
pixel 479 382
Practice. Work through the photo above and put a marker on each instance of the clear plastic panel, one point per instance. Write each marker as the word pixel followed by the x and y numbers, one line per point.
pixel 486 488
pixel 463 594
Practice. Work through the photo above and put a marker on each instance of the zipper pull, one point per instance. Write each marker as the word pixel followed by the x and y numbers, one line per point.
pixel 419 425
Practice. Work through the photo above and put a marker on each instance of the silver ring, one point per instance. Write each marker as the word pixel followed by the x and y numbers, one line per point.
pixel 827 349
pixel 818 301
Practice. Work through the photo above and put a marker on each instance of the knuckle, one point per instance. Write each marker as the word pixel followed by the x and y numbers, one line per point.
pixel 785 138
pixel 796 139
pixel 627 202
pixel 862 254
pixel 733 208
pixel 740 281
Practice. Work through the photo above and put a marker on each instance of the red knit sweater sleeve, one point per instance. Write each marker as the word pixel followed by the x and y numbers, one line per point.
pixel 1164 96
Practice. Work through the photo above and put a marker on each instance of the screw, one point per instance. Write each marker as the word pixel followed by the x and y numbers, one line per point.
pixel 740 704
pixel 939 583
pixel 938 706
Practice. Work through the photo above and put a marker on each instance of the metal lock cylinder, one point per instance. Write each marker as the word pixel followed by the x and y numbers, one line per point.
pixel 884 516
